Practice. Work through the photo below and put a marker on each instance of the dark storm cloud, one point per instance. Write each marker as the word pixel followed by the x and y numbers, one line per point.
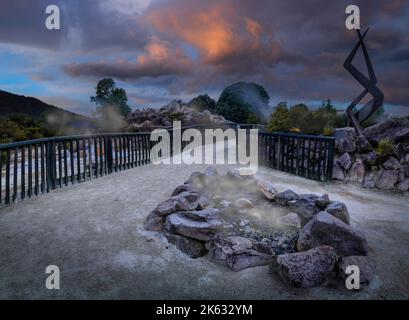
pixel 22 22
pixel 294 48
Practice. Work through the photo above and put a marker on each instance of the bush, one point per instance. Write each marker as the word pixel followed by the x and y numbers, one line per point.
pixel 300 118
pixel 385 148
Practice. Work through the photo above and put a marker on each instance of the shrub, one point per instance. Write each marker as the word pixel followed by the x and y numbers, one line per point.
pixel 385 148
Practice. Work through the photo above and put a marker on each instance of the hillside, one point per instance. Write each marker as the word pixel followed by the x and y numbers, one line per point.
pixel 55 119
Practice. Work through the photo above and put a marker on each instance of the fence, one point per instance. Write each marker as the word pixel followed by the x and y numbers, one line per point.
pixel 30 168
pixel 308 156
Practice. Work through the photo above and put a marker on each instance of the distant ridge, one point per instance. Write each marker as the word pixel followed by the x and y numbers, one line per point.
pixel 57 119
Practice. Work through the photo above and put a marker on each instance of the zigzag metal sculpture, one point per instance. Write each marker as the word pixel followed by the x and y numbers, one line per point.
pixel 358 117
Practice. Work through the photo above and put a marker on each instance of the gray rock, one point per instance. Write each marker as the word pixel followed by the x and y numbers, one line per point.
pixel 304 206
pixel 187 187
pixel 371 159
pixel 403 186
pixel 284 197
pixel 291 220
pixel 345 133
pixel 236 252
pixel 325 229
pixel 154 222
pixel 202 215
pixel 346 145
pixel 199 230
pixel 391 164
pixel 362 145
pixel 185 201
pixel 243 203
pixel 266 187
pixel 338 172
pixel 338 210
pixel 211 172
pixel 357 172
pixel 405 167
pixel 396 130
pixel 345 161
pixel 322 201
pixel 401 175
pixel 235 174
pixel 369 180
pixel 191 247
pixel 306 269
pixel 366 268
pixel 387 179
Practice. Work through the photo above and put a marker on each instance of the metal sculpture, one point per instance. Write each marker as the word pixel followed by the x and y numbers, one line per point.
pixel 357 117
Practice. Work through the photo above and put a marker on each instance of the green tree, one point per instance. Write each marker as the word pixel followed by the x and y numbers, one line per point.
pixel 108 96
pixel 280 118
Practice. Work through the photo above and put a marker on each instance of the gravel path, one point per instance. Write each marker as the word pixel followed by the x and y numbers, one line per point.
pixel 93 232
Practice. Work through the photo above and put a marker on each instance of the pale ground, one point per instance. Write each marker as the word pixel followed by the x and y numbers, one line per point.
pixel 93 232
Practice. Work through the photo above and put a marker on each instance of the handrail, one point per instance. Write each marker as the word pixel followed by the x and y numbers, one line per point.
pixel 29 168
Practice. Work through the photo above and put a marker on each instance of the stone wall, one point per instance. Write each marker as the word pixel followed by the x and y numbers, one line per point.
pixel 357 161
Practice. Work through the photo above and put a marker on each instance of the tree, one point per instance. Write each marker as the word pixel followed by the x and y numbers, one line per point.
pixel 108 96
pixel 280 118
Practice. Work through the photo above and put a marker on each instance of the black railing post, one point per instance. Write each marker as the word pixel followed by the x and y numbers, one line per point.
pixel 108 153
pixel 51 165
pixel 331 150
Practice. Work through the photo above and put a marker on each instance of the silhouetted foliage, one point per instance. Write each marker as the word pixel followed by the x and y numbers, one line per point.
pixel 301 119
pixel 108 95
pixel 21 127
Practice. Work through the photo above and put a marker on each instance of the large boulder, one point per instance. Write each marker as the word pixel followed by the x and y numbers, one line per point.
pixel 346 145
pixel 191 247
pixel 357 172
pixel 345 161
pixel 369 180
pixel 304 206
pixel 236 252
pixel 337 172
pixel 366 268
pixel 291 220
pixel 325 229
pixel 391 164
pixel 266 187
pixel 338 210
pixel 347 133
pixel 180 224
pixel 403 186
pixel 387 179
pixel 362 145
pixel 396 130
pixel 371 159
pixel 306 269
pixel 283 198
pixel 323 201
pixel 184 201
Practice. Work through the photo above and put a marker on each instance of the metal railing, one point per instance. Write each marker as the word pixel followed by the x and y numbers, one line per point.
pixel 308 156
pixel 30 168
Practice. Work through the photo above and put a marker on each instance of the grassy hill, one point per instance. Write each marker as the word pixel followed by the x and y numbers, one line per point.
pixel 54 119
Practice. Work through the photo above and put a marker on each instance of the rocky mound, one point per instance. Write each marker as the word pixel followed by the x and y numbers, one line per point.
pixel 358 162
pixel 245 222
pixel 196 112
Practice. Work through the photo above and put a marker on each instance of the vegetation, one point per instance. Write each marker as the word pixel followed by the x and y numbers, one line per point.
pixel 299 118
pixel 243 103
pixel 22 127
pixel 112 105
pixel 385 148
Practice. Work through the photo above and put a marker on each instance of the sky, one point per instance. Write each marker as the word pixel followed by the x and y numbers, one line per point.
pixel 161 50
